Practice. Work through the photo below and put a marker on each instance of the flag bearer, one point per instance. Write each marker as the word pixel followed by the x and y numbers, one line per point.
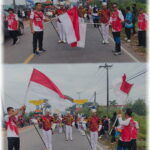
pixel 68 120
pixel 60 27
pixel 37 28
pixel 142 27
pixel 116 20
pixel 94 127
pixel 104 19
pixel 13 25
pixel 46 122
pixel 11 127
pixel 127 128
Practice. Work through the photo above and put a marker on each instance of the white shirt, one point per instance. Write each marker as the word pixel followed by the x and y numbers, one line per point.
pixel 124 122
pixel 36 28
pixel 10 133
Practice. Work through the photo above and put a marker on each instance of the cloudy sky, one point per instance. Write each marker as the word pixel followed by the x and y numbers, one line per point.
pixel 71 79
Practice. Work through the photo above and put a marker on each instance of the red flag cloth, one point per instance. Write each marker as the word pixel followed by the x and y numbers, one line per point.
pixel 40 78
pixel 125 86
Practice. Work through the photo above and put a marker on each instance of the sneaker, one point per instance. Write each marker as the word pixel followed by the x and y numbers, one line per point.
pixel 37 53
pixel 103 42
pixel 64 41
pixel 128 41
pixel 42 50
pixel 107 42
pixel 60 41
pixel 117 53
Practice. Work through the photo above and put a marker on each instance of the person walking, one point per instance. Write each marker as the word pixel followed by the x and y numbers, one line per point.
pixel 37 28
pixel 11 120
pixel 128 24
pixel 93 127
pixel 116 20
pixel 13 25
pixel 46 122
pixel 104 19
pixel 142 27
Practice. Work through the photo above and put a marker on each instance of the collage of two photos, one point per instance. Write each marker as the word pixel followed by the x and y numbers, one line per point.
pixel 74 75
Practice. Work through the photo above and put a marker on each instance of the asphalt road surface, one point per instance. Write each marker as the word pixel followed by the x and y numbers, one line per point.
pixel 93 52
pixel 31 141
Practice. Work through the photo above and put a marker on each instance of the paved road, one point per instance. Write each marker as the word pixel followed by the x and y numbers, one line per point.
pixel 94 50
pixel 31 141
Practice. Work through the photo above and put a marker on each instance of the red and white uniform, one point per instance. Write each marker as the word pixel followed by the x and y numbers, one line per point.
pixel 116 20
pixel 47 130
pixel 11 126
pixel 104 18
pixel 60 27
pixel 68 122
pixel 134 133
pixel 94 126
pixel 142 22
pixel 12 22
pixel 37 17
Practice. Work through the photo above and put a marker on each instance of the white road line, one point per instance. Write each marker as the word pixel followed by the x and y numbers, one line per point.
pixel 129 54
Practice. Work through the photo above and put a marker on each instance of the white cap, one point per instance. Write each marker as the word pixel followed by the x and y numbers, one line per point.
pixel 93 110
pixel 80 4
pixel 61 3
pixel 104 4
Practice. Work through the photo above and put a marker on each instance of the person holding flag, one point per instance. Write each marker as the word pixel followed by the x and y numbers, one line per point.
pixel 45 122
pixel 13 25
pixel 68 120
pixel 37 28
pixel 60 27
pixel 104 19
pixel 127 128
pixel 116 20
pixel 93 122
pixel 11 126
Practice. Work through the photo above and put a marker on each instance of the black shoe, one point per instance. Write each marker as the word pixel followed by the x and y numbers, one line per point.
pixel 42 50
pixel 37 53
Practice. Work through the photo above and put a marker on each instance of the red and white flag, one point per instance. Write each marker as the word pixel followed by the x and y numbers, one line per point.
pixel 75 32
pixel 122 89
pixel 43 86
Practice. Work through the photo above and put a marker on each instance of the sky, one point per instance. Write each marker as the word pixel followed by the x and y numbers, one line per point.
pixel 72 79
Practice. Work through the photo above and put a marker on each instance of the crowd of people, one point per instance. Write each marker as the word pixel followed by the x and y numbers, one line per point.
pixel 124 132
pixel 102 18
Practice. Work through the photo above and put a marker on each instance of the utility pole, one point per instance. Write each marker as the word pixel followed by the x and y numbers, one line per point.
pixel 14 4
pixel 107 67
pixel 95 99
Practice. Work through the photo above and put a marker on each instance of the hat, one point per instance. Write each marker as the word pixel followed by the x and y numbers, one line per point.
pixel 104 4
pixel 61 3
pixel 93 110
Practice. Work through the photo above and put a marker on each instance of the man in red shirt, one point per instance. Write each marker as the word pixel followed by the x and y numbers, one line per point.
pixel 68 120
pixel 13 25
pixel 11 126
pixel 46 122
pixel 94 127
pixel 36 24
pixel 104 19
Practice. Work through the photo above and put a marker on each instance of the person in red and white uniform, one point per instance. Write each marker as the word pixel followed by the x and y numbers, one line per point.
pixel 104 19
pixel 13 25
pixel 60 27
pixel 116 20
pixel 11 127
pixel 127 127
pixel 68 120
pixel 142 27
pixel 36 24
pixel 46 122
pixel 93 122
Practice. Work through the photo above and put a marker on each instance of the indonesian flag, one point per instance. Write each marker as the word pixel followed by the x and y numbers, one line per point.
pixel 122 89
pixel 75 31
pixel 42 85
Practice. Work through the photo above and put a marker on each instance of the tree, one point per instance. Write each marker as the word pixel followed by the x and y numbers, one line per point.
pixel 139 107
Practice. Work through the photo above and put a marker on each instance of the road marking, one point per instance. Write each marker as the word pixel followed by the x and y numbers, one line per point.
pixel 28 59
pixel 129 54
